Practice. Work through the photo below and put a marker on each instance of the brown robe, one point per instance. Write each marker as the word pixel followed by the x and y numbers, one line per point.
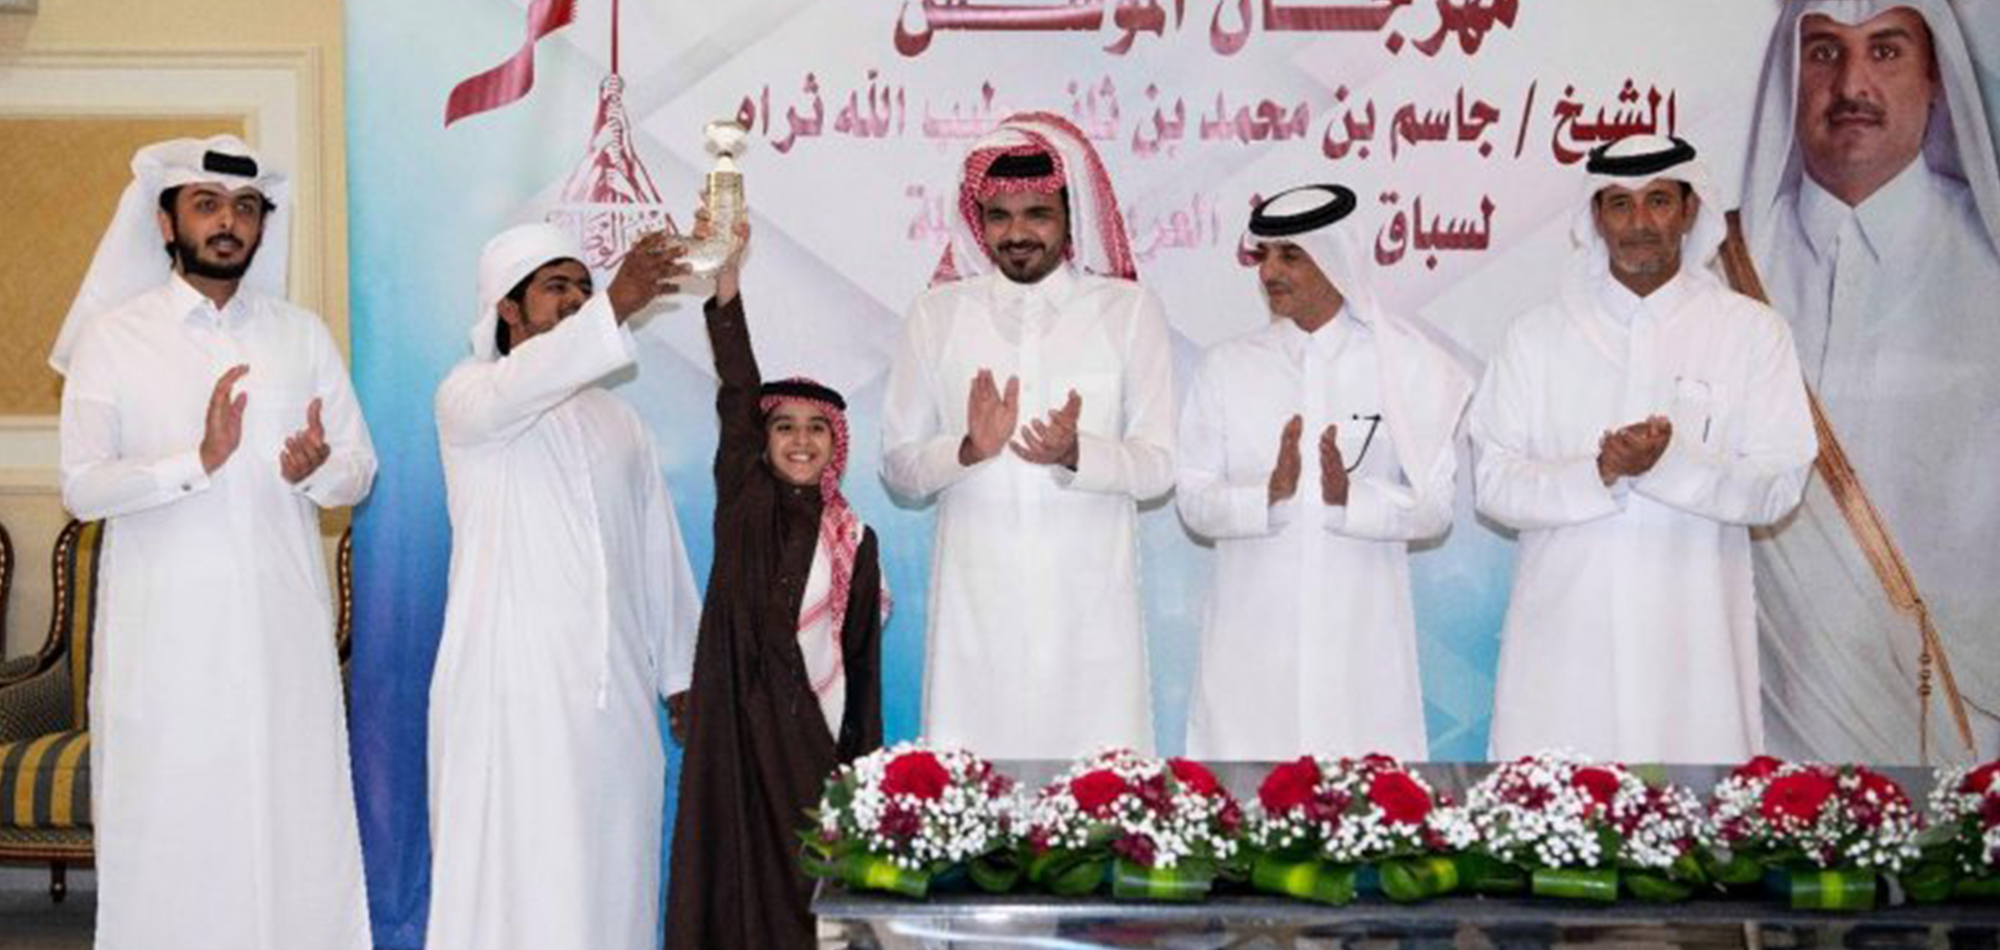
pixel 758 752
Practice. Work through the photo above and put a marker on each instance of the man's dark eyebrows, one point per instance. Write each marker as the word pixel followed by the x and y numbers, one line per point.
pixel 1892 33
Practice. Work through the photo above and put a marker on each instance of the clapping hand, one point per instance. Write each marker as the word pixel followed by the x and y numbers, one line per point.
pixel 989 417
pixel 306 450
pixel 1052 441
pixel 1285 475
pixel 1633 450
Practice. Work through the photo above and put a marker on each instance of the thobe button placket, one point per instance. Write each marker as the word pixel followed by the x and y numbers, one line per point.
pixel 1639 402
pixel 1313 379
pixel 1034 394
pixel 1843 312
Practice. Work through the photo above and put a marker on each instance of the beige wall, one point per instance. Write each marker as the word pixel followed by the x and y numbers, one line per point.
pixel 96 26
pixel 56 211
pixel 29 506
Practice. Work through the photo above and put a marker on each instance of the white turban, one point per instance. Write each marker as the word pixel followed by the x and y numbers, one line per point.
pixel 1958 142
pixel 132 259
pixel 508 259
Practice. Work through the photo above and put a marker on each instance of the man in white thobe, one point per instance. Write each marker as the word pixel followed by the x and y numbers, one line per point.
pixel 1037 645
pixel 1632 431
pixel 571 612
pixel 208 422
pixel 1309 640
pixel 1872 206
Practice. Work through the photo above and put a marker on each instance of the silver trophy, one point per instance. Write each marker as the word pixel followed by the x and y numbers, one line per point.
pixel 723 194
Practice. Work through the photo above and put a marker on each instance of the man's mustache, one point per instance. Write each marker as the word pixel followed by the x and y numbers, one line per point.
pixel 1012 246
pixel 1843 110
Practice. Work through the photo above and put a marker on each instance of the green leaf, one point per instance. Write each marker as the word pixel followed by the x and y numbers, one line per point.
pixel 1409 880
pixel 1587 884
pixel 1983 888
pixel 994 875
pixel 1930 882
pixel 1311 880
pixel 1080 878
pixel 1739 869
pixel 1648 886
pixel 1489 875
pixel 1687 869
pixel 839 795
pixel 1186 882
pixel 1844 889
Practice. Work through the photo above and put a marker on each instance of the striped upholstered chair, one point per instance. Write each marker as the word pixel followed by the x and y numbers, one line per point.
pixel 45 719
pixel 22 666
pixel 44 723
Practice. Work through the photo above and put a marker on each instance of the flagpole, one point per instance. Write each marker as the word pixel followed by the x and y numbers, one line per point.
pixel 614 37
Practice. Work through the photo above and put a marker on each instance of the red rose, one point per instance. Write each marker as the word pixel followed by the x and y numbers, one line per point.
pixel 1152 792
pixel 1797 796
pixel 1095 791
pixel 1887 792
pixel 1138 849
pixel 1399 796
pixel 1980 780
pixel 1762 766
pixel 1231 817
pixel 1989 812
pixel 915 773
pixel 900 822
pixel 1289 785
pixel 1193 776
pixel 1600 784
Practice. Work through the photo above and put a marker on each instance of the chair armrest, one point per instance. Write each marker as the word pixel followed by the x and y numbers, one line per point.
pixel 18 668
pixel 35 706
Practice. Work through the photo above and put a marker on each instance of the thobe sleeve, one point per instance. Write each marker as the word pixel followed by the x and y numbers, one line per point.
pixel 344 478
pixel 861 654
pixel 495 402
pixel 919 448
pixel 1763 480
pixel 1513 485
pixel 1140 463
pixel 1210 503
pixel 98 479
pixel 740 382
pixel 1378 509
pixel 674 608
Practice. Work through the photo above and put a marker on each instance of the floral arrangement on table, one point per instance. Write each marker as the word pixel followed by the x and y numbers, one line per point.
pixel 1158 829
pixel 1319 822
pixel 1560 825
pixel 1820 834
pixel 901 818
pixel 1961 848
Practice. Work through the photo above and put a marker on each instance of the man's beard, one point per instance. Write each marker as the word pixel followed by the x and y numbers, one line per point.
pixel 1034 270
pixel 188 255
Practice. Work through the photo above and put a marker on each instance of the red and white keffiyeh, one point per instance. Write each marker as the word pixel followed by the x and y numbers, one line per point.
pixel 840 535
pixel 1098 244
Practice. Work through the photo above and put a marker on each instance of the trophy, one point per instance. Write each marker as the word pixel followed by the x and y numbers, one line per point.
pixel 723 193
